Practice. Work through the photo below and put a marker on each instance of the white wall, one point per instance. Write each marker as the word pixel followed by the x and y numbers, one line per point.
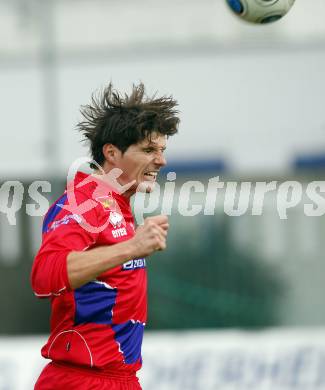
pixel 256 109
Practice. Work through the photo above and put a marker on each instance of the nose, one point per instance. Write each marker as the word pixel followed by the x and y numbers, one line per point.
pixel 160 160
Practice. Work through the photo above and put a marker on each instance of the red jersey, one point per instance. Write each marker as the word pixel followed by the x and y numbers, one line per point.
pixel 99 325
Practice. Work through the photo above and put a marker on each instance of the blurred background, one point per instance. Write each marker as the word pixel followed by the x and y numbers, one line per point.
pixel 234 302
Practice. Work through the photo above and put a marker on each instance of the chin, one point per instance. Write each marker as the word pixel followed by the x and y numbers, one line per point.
pixel 146 186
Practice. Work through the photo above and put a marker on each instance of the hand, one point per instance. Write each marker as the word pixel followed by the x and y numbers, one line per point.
pixel 151 236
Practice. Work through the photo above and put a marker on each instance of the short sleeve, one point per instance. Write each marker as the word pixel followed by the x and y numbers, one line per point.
pixel 66 228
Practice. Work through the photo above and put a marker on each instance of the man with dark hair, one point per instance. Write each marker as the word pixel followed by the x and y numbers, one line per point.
pixel 91 263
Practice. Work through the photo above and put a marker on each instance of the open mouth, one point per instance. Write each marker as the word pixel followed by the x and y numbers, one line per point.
pixel 151 176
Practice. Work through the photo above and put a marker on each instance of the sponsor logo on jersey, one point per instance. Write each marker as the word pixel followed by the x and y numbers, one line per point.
pixel 119 232
pixel 115 219
pixel 65 220
pixel 134 264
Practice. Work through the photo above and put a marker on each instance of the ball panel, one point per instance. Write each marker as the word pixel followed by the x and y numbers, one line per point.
pixel 270 19
pixel 236 6
pixel 267 3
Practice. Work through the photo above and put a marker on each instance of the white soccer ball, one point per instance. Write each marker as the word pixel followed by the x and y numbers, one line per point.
pixel 260 11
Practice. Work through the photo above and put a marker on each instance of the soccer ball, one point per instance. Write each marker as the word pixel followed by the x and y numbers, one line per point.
pixel 260 11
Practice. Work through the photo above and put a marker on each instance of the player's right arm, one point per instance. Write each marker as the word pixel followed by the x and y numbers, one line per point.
pixel 84 266
pixel 64 261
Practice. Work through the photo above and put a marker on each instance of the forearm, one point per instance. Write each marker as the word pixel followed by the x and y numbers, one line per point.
pixel 85 266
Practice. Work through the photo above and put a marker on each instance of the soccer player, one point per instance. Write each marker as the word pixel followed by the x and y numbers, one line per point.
pixel 91 263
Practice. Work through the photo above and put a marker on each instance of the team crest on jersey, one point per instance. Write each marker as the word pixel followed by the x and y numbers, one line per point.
pixel 108 202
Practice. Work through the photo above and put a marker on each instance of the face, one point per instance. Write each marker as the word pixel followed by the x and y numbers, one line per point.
pixel 140 163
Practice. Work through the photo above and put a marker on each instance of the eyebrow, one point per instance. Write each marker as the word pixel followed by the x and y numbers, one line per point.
pixel 154 145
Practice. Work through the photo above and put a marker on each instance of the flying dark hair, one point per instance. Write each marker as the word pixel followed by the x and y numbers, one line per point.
pixel 125 120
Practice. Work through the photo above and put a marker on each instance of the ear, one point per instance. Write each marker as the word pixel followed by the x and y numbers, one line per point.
pixel 110 153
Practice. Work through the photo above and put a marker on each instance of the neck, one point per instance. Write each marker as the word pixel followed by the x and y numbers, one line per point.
pixel 113 182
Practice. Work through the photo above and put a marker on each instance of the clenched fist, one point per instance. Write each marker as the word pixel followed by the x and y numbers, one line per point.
pixel 151 236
